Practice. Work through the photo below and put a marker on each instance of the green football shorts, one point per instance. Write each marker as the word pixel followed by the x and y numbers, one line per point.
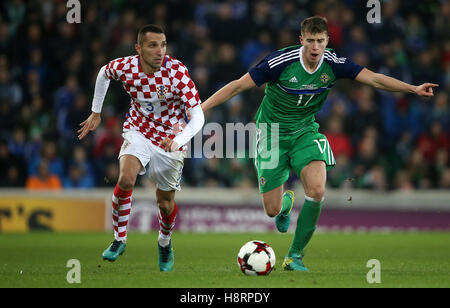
pixel 275 156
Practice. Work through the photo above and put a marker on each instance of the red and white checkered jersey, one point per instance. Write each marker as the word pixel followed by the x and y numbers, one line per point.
pixel 158 100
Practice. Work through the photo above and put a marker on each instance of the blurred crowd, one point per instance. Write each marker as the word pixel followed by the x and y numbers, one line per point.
pixel 381 140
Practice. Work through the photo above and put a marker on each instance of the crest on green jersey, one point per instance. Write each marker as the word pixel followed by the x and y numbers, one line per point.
pixel 262 181
pixel 324 78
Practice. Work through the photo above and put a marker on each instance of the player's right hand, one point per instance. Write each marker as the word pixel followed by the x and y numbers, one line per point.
pixel 426 89
pixel 90 124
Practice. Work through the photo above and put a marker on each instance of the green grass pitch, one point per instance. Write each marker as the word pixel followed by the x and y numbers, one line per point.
pixel 209 260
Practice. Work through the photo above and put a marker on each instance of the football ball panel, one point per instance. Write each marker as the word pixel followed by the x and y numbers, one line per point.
pixel 258 261
pixel 246 249
pixel 271 256
pixel 250 273
pixel 256 258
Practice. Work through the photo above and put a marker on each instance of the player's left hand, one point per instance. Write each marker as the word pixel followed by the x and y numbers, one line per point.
pixel 169 145
pixel 426 89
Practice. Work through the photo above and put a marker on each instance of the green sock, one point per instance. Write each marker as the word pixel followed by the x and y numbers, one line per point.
pixel 306 225
pixel 287 201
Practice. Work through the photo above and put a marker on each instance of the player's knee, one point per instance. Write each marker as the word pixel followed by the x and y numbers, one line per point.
pixel 317 192
pixel 126 181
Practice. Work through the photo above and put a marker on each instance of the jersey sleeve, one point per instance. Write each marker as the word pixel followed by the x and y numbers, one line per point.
pixel 184 86
pixel 270 68
pixel 114 69
pixel 342 67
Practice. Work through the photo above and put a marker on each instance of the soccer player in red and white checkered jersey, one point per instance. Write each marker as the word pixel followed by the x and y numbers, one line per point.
pixel 155 132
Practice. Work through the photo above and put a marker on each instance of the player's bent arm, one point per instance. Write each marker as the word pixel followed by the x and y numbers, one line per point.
pixel 101 87
pixel 387 83
pixel 93 121
pixel 197 119
pixel 231 89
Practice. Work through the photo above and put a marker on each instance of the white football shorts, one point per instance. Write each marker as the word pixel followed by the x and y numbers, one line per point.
pixel 165 168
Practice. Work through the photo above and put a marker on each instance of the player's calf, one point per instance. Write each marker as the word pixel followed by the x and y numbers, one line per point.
pixel 272 201
pixel 283 219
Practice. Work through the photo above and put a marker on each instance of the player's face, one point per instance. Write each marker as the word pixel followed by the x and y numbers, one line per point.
pixel 152 49
pixel 314 45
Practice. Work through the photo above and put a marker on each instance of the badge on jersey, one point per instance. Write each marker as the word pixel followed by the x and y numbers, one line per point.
pixel 161 90
pixel 262 181
pixel 324 78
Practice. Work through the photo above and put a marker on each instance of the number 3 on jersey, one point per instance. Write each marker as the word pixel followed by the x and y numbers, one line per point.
pixel 307 101
pixel 149 108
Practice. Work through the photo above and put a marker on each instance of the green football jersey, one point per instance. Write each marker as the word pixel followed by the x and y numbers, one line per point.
pixel 294 95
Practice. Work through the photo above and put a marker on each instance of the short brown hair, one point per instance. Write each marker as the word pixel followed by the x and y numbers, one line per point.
pixel 314 25
pixel 148 28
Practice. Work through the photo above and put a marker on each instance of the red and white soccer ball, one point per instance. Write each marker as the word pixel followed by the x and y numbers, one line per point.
pixel 256 258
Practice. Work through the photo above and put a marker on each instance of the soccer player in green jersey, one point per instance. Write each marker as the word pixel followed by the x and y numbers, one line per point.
pixel 298 80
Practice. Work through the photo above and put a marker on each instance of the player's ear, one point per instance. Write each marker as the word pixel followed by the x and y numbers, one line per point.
pixel 300 39
pixel 138 48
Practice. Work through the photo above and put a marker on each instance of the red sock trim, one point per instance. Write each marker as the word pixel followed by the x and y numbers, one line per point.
pixel 120 193
pixel 168 220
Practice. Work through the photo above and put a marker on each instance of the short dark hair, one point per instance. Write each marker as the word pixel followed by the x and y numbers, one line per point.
pixel 148 28
pixel 314 25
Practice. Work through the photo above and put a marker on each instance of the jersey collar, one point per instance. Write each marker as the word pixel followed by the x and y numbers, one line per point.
pixel 303 65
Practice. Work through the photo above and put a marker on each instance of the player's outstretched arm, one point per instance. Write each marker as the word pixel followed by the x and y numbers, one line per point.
pixel 387 83
pixel 231 89
pixel 93 121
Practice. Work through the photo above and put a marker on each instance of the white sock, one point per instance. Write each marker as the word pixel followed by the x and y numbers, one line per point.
pixel 314 200
pixel 163 240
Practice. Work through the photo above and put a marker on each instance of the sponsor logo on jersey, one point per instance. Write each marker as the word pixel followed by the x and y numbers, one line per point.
pixel 309 87
pixel 293 79
pixel 161 90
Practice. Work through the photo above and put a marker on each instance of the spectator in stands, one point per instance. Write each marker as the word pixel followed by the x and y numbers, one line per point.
pixel 9 89
pixel 441 111
pixel 339 142
pixel 256 49
pixel 78 177
pixel 53 162
pixel 105 172
pixel 8 118
pixel 439 166
pixel 12 168
pixel 403 181
pixel 41 122
pixel 444 182
pixel 110 135
pixel 342 175
pixel 365 114
pixel 418 170
pixel 429 143
pixel 63 102
pixel 18 144
pixel 43 179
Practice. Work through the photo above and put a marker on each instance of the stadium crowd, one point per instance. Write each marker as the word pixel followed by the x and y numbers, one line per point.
pixel 381 140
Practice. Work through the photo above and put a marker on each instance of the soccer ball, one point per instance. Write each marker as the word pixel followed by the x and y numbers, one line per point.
pixel 256 258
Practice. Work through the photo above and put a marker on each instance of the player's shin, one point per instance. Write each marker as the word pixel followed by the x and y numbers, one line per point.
pixel 121 209
pixel 166 225
pixel 306 225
